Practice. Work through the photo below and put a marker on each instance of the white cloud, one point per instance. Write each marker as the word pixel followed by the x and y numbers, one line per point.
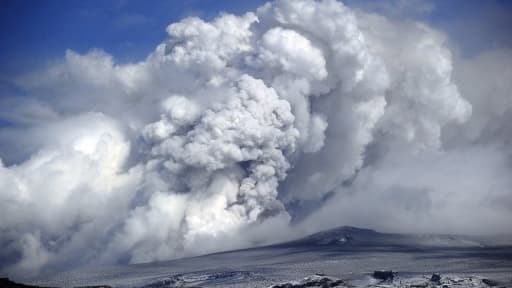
pixel 454 191
pixel 71 187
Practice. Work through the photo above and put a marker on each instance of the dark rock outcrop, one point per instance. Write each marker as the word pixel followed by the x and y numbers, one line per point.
pixel 436 279
pixel 383 275
pixel 489 282
pixel 7 283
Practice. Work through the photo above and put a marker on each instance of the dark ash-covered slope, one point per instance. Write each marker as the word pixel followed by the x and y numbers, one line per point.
pixel 346 253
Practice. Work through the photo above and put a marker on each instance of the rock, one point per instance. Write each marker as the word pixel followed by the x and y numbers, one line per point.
pixel 169 282
pixel 285 285
pixel 436 278
pixel 383 275
pixel 6 282
pixel 489 282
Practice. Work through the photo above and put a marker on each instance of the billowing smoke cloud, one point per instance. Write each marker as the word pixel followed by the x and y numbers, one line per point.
pixel 236 127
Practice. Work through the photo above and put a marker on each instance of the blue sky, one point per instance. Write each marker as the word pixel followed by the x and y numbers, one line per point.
pixel 34 33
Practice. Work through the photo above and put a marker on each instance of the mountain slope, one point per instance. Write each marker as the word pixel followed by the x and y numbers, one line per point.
pixel 347 253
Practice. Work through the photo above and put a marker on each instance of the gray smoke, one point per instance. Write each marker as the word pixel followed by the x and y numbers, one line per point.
pixel 232 128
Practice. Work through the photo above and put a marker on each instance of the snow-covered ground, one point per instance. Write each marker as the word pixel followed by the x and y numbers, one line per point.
pixel 347 254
